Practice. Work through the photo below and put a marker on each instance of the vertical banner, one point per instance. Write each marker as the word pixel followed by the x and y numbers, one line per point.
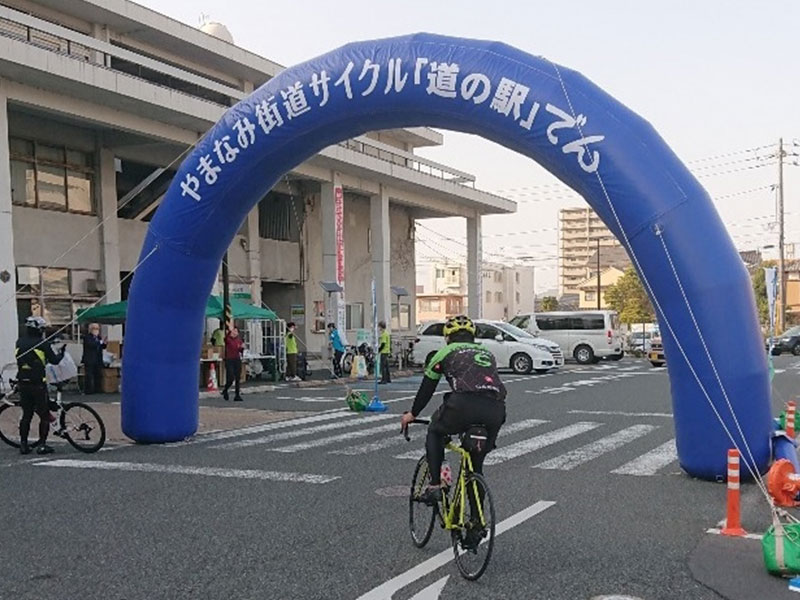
pixel 341 317
pixel 771 281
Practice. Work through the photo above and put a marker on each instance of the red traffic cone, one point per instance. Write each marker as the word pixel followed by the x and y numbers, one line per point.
pixel 212 379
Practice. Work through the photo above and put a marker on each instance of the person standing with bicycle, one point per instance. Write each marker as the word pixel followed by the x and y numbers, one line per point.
pixel 337 345
pixel 33 354
pixel 477 398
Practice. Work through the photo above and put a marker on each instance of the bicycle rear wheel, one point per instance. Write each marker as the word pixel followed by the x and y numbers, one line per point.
pixel 10 415
pixel 420 515
pixel 83 427
pixel 473 543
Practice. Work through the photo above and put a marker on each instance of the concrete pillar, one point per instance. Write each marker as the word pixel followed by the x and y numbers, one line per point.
pixel 331 193
pixel 254 256
pixel 474 270
pixel 109 232
pixel 9 329
pixel 380 236
pixel 100 32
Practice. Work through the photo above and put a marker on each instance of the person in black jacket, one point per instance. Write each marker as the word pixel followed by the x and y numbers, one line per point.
pixel 93 346
pixel 33 354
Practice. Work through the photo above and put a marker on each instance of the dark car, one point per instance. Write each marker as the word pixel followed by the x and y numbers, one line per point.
pixel 788 342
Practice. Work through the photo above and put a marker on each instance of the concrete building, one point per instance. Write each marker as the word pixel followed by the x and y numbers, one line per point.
pixel 587 289
pixel 99 102
pixel 580 231
pixel 442 291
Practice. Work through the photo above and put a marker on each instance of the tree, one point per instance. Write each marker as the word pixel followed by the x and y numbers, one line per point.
pixel 549 303
pixel 629 299
pixel 760 291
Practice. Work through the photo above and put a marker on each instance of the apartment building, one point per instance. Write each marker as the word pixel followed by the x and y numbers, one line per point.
pixel 580 233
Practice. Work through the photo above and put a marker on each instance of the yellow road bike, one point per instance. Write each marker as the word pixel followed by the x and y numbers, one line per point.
pixel 466 509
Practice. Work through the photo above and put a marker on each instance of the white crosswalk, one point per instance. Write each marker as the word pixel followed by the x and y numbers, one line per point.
pixel 578 442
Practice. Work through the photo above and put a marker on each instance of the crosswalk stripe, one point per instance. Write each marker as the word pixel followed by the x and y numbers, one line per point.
pixel 540 441
pixel 224 435
pixel 506 430
pixel 651 462
pixel 584 454
pixel 340 438
pixel 180 470
pixel 286 435
pixel 371 447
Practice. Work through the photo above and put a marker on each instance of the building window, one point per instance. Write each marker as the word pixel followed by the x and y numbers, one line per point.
pixel 56 295
pixel 401 316
pixel 319 317
pixel 518 297
pixel 488 297
pixel 430 305
pixel 590 295
pixel 516 276
pixel 439 273
pixel 51 177
pixel 355 316
pixel 498 297
pixel 498 276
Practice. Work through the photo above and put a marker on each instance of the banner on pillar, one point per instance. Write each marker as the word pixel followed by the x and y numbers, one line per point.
pixel 341 312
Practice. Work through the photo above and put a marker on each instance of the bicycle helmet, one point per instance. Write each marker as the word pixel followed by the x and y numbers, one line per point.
pixel 458 323
pixel 38 323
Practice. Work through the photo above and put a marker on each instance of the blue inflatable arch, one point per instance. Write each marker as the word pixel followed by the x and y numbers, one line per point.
pixel 591 142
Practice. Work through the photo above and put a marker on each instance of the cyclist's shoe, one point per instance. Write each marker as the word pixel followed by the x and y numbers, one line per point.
pixel 431 496
pixel 473 536
pixel 24 448
pixel 45 449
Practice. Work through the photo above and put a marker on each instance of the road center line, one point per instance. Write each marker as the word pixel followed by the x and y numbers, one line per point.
pixel 386 590
pixel 179 470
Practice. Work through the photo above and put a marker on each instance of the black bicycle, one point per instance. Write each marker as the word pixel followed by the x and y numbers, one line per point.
pixel 76 422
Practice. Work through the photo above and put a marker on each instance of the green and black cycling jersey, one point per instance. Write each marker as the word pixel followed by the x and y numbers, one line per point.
pixel 469 368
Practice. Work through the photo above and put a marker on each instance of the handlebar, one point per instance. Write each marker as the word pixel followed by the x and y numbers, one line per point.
pixel 420 421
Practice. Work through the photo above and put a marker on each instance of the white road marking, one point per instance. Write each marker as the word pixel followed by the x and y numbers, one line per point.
pixel 433 591
pixel 287 435
pixel 649 463
pixel 584 454
pixel 506 430
pixel 747 536
pixel 540 441
pixel 372 447
pixel 619 413
pixel 224 435
pixel 386 590
pixel 340 438
pixel 178 470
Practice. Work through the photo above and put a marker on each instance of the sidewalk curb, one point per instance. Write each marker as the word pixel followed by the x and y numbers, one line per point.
pixel 345 380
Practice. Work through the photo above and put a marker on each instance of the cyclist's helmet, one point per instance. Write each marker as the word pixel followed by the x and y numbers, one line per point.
pixel 458 323
pixel 37 323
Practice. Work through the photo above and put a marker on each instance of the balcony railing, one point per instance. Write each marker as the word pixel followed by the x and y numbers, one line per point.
pixel 66 42
pixel 388 153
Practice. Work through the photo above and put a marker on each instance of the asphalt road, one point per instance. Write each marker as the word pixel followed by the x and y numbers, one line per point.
pixel 315 507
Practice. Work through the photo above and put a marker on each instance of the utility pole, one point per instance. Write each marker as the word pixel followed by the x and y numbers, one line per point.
pixel 781 273
pixel 598 274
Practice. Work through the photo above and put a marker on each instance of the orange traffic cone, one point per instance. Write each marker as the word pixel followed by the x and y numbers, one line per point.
pixel 212 379
pixel 733 521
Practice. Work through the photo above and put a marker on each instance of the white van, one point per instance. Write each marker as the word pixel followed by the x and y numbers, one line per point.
pixel 586 335
pixel 512 348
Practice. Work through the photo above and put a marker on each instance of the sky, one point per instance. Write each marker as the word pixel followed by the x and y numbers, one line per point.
pixel 719 80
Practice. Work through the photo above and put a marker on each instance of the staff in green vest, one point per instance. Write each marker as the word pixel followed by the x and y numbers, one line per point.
pixel 291 353
pixel 385 350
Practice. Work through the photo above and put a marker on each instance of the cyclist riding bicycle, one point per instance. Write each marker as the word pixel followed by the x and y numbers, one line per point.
pixel 33 354
pixel 477 398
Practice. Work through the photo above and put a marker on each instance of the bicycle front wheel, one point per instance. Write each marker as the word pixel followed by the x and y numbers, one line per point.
pixel 420 515
pixel 10 416
pixel 83 427
pixel 473 542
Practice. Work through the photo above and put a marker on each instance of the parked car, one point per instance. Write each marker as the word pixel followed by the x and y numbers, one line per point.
pixel 656 354
pixel 587 336
pixel 512 348
pixel 788 342
pixel 639 341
